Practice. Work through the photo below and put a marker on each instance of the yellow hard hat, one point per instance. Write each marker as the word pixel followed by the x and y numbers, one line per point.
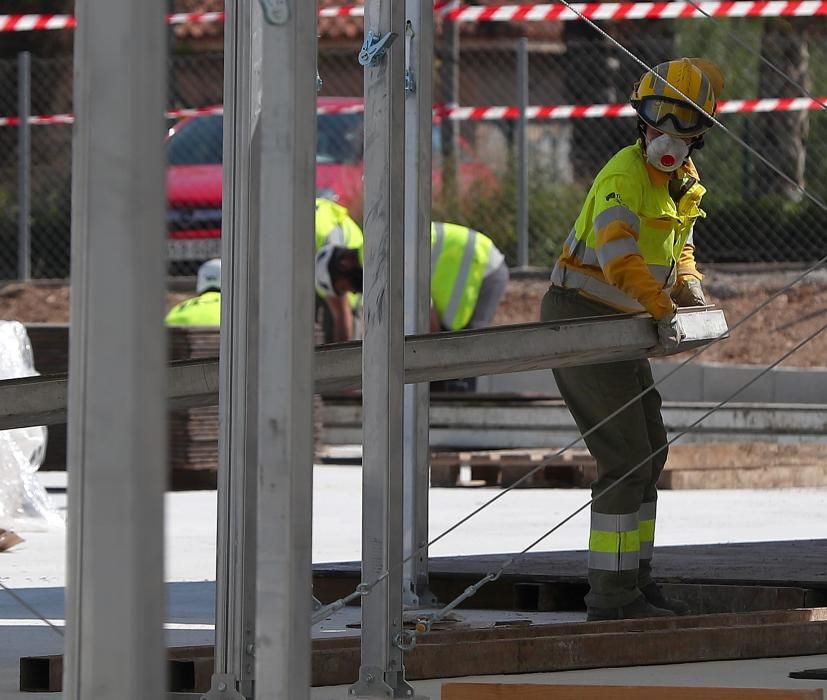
pixel 662 105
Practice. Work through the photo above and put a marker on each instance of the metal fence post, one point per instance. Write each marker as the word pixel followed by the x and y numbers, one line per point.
pixel 522 153
pixel 382 672
pixel 449 78
pixel 24 191
pixel 285 165
pixel 115 644
pixel 418 157
pixel 238 365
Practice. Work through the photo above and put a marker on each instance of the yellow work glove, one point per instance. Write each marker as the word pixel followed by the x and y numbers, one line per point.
pixel 689 293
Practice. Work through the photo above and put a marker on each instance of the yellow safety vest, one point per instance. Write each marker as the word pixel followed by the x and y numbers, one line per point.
pixel 334 226
pixel 459 261
pixel 203 310
pixel 629 214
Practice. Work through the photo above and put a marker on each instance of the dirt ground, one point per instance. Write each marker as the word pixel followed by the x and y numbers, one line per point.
pixel 762 339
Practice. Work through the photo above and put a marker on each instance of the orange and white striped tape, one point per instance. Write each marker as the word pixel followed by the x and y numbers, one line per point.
pixel 637 10
pixel 493 113
pixel 680 9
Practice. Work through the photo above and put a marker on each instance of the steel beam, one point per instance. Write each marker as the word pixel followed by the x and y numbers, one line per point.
pixel 419 49
pixel 286 165
pixel 117 423
pixel 237 373
pixel 382 672
pixel 474 424
pixel 500 350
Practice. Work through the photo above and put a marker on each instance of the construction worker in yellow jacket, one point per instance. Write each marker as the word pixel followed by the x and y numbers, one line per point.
pixel 335 227
pixel 204 309
pixel 631 250
pixel 468 276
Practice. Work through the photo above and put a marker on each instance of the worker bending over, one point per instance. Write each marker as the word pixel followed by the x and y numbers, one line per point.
pixel 335 227
pixel 630 247
pixel 468 279
pixel 204 309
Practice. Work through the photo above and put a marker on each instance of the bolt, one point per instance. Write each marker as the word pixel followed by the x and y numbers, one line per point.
pixel 251 648
pixel 370 678
pixel 222 687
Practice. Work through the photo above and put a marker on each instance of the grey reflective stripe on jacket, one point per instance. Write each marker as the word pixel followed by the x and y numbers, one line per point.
pixel 461 279
pixel 436 248
pixel 336 236
pixel 618 248
pixel 617 213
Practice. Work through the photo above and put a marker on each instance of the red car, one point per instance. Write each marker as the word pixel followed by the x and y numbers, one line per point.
pixel 194 154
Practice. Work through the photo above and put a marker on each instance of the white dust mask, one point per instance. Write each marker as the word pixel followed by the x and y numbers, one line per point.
pixel 666 152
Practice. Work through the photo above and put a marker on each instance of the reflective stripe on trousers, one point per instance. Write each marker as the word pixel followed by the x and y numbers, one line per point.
pixel 614 542
pixel 647 529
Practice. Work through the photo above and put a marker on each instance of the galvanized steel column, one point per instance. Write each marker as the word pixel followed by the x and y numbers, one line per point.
pixel 382 673
pixel 115 644
pixel 286 164
pixel 419 43
pixel 238 366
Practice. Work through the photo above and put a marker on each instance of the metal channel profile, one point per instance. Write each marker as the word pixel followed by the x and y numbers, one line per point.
pixel 499 350
pixel 476 423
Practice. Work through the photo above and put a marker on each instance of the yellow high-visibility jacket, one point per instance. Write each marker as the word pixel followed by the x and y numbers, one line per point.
pixel 203 310
pixel 334 226
pixel 460 259
pixel 632 241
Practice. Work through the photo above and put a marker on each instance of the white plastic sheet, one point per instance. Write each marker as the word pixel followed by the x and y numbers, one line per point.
pixel 24 503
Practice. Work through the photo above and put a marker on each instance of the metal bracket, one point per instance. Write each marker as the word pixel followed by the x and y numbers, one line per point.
pixel 223 687
pixel 374 48
pixel 374 683
pixel 276 12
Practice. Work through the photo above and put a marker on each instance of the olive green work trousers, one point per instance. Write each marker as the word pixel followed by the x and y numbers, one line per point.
pixel 592 393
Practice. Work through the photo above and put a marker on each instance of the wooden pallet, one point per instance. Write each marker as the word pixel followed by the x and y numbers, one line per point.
pixel 570 469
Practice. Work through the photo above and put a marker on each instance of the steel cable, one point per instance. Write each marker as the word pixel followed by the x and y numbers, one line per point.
pixel 732 35
pixel 31 609
pixel 695 354
pixel 425 625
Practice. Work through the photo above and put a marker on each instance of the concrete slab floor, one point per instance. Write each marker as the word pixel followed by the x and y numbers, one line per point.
pixel 36 569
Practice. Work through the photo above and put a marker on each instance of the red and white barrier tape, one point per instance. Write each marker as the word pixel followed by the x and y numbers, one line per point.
pixel 509 112
pixel 637 10
pixel 505 13
pixel 33 23
pixel 544 112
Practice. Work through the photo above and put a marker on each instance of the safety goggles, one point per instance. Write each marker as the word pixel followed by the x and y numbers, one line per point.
pixel 673 116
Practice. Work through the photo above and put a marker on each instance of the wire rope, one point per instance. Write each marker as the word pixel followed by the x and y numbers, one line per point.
pixel 31 609
pixel 366 588
pixel 425 625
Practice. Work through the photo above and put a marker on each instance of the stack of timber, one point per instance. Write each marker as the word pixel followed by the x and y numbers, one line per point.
pixel 193 432
pixel 50 347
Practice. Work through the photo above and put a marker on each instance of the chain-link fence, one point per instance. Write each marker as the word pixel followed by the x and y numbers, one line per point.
pixel 754 214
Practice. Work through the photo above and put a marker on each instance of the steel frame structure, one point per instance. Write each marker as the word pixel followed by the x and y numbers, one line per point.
pixel 117 422
pixel 118 395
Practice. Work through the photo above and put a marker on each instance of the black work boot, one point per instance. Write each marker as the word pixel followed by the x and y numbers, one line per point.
pixel 640 607
pixel 654 596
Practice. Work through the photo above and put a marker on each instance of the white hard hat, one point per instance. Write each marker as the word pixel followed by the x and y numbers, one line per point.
pixel 209 276
pixel 324 283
